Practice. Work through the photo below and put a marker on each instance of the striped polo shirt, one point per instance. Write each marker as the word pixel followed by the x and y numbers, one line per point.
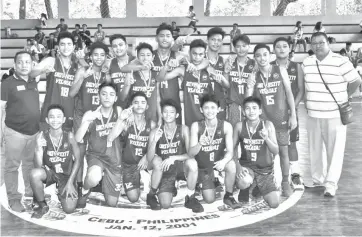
pixel 337 72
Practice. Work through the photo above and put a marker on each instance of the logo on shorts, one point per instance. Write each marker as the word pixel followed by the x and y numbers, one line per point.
pixel 275 75
pixel 292 69
pixel 251 67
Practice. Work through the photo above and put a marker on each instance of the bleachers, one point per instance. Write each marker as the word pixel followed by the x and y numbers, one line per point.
pixel 257 33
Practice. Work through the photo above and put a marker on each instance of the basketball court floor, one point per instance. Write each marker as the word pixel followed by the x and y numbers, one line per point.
pixel 305 213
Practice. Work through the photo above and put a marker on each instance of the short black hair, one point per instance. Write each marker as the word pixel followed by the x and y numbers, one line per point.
pixel 22 52
pixel 173 22
pixel 172 103
pixel 51 34
pixel 98 45
pixel 57 27
pixel 117 36
pixel 99 25
pixel 261 46
pixel 198 43
pixel 65 34
pixel 316 34
pixel 310 52
pixel 143 45
pixel 105 84
pixel 252 99
pixel 84 25
pixel 136 94
pixel 55 106
pixel 343 51
pixel 77 25
pixel 164 26
pixel 348 44
pixel 215 31
pixel 191 7
pixel 28 40
pixel 61 19
pixel 280 39
pixel 209 98
pixel 235 24
pixel 243 37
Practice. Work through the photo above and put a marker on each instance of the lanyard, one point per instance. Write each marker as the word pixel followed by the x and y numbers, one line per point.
pixel 211 135
pixel 161 61
pixel 251 134
pixel 63 68
pixel 242 70
pixel 59 144
pixel 142 127
pixel 109 118
pixel 122 63
pixel 266 80
pixel 147 84
pixel 96 79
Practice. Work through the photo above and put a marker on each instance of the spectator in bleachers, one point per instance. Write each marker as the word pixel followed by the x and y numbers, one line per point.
pixel 51 43
pixel 75 33
pixel 99 35
pixel 233 33
pixel 343 52
pixel 359 56
pixel 298 36
pixel 86 35
pixel 57 31
pixel 40 36
pixel 43 19
pixel 8 74
pixel 349 51
pixel 319 27
pixel 291 55
pixel 21 111
pixel 310 52
pixel 28 45
pixel 62 25
pixel 37 50
pixel 175 30
pixel 77 43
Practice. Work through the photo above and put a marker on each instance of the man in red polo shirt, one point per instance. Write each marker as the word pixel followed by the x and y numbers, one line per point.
pixel 21 112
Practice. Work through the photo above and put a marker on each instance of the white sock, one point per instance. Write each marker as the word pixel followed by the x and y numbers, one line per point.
pixel 294 167
pixel 84 191
pixel 190 192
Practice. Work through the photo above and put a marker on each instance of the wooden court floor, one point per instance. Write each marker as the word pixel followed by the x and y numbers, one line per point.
pixel 312 215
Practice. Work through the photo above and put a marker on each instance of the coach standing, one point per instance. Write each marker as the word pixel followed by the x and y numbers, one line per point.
pixel 324 124
pixel 20 108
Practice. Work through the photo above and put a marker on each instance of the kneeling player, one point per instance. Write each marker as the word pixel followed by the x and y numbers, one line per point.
pixel 210 138
pixel 135 141
pixel 258 143
pixel 102 156
pixel 167 149
pixel 54 161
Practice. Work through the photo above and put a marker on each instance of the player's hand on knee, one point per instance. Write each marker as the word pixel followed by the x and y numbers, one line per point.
pixel 69 191
pixel 143 163
pixel 167 163
pixel 220 165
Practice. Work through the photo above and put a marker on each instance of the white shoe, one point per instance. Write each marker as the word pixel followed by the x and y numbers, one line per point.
pixel 330 191
pixel 146 180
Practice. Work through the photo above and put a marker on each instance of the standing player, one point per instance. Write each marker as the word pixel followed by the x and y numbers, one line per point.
pixel 85 87
pixel 167 150
pixel 102 155
pixel 119 47
pixel 238 70
pixel 216 68
pixel 135 141
pixel 272 85
pixel 145 81
pixel 56 161
pixel 60 76
pixel 211 143
pixel 193 19
pixel 296 77
pixel 259 146
pixel 194 84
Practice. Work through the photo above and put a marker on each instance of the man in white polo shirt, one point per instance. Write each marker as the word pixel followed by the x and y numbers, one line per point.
pixel 324 124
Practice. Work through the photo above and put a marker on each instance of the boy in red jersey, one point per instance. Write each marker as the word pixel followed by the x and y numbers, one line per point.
pixel 259 146
pixel 167 150
pixel 212 146
pixel 135 141
pixel 219 82
pixel 56 161
pixel 272 85
pixel 296 77
pixel 102 155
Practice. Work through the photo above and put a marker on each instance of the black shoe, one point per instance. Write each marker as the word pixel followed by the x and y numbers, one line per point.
pixel 153 202
pixel 98 188
pixel 82 200
pixel 256 192
pixel 231 202
pixel 39 212
pixel 243 195
pixel 193 204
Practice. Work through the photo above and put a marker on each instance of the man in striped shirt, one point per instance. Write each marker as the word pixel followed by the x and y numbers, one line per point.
pixel 324 124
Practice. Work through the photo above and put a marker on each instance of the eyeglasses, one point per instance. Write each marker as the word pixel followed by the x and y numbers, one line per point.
pixel 318 43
